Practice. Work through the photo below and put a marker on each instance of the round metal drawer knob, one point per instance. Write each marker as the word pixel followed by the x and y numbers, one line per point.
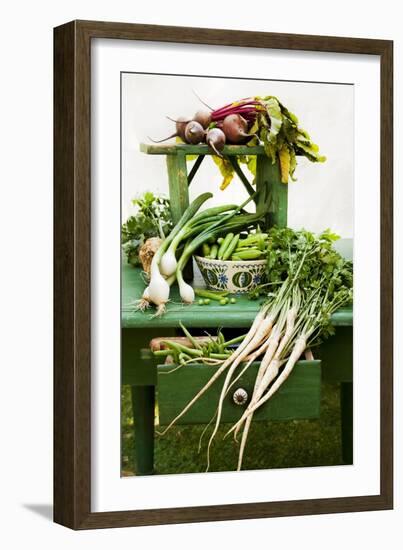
pixel 240 396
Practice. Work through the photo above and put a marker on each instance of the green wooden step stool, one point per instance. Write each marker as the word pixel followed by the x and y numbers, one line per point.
pixel 267 174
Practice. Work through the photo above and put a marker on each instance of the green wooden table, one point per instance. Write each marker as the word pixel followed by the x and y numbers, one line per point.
pixel 139 372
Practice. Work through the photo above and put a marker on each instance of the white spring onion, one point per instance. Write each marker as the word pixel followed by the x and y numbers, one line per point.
pixel 158 289
pixel 186 292
pixel 168 263
pixel 146 294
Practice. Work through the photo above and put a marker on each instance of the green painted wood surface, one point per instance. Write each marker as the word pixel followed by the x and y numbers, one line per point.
pixel 347 423
pixel 268 175
pixel 299 397
pixel 174 149
pixel 136 370
pixel 337 356
pixel 178 185
pixel 236 315
pixel 179 194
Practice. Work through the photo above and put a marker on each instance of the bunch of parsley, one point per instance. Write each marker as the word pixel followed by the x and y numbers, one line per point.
pixel 320 272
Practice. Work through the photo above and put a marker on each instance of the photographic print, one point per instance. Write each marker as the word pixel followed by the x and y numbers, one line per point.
pixel 223 257
pixel 236 274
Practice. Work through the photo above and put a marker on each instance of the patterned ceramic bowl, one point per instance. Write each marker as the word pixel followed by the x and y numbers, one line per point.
pixel 236 277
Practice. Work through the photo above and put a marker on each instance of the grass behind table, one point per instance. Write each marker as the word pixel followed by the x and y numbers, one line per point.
pixel 290 444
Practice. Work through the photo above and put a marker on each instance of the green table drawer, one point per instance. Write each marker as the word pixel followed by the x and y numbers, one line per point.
pixel 298 398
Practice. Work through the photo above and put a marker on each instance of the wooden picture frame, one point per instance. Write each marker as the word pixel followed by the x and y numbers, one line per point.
pixel 72 273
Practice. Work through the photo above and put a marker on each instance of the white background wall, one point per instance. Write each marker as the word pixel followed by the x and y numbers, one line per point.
pixel 26 290
pixel 323 195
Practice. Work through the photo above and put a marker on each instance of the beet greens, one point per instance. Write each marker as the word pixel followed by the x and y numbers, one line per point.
pixel 270 123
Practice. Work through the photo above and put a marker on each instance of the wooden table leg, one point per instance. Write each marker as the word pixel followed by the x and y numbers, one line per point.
pixel 139 371
pixel 346 405
pixel 143 403
pixel 337 368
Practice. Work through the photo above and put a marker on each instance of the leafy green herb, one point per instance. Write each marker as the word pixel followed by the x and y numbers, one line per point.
pixel 152 219
pixel 320 271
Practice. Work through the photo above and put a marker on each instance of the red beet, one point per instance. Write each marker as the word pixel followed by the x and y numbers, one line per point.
pixel 194 132
pixel 203 117
pixel 180 124
pixel 215 139
pixel 235 128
